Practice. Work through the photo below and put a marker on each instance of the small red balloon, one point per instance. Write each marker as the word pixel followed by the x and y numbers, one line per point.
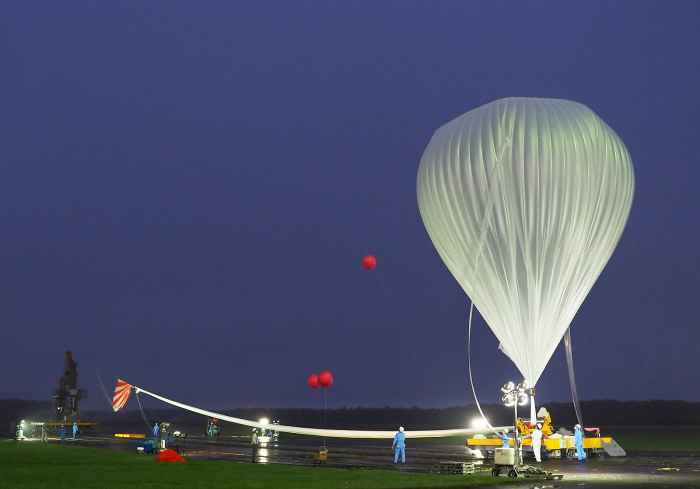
pixel 325 378
pixel 369 261
pixel 313 381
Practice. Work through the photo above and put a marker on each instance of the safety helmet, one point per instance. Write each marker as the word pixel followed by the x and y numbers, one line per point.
pixel 401 429
pixel 505 430
pixel 539 426
pixel 577 427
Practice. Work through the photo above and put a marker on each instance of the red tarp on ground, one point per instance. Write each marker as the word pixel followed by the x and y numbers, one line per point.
pixel 169 456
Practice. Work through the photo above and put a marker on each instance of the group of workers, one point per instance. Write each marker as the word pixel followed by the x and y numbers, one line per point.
pixel 161 435
pixel 536 437
pixel 399 443
pixel 19 434
pixel 62 433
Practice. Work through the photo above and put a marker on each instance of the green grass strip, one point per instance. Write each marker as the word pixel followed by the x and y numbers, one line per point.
pixel 55 466
pixel 656 439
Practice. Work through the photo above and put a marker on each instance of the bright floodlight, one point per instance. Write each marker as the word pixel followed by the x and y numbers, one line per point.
pixel 508 387
pixel 479 423
pixel 523 386
pixel 510 398
pixel 522 399
pixel 264 421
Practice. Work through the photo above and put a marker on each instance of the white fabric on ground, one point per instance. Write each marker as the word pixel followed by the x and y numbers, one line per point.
pixel 315 431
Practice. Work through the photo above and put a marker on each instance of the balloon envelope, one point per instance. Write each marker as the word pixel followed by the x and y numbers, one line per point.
pixel 313 381
pixel 325 378
pixel 369 261
pixel 525 201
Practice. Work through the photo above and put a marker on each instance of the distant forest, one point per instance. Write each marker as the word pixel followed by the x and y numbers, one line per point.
pixel 602 413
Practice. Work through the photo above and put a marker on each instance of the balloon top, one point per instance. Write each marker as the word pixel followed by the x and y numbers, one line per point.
pixel 525 200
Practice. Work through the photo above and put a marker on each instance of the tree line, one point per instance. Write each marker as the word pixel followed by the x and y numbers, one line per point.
pixel 598 413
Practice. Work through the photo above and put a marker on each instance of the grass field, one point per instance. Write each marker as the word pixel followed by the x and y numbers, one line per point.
pixel 656 439
pixel 37 465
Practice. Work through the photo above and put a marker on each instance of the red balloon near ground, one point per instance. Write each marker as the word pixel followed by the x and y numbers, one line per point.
pixel 325 378
pixel 369 261
pixel 313 381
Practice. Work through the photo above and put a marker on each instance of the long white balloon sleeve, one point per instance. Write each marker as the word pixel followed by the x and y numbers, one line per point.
pixel 359 434
pixel 525 200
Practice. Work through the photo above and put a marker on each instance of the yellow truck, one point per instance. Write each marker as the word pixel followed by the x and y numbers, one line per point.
pixel 553 445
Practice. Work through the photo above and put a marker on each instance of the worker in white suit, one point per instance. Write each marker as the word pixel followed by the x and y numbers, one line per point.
pixel 536 436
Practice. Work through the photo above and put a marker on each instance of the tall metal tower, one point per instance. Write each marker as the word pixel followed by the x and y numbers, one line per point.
pixel 67 395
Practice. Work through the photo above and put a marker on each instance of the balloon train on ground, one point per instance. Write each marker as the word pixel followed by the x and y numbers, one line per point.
pixel 525 201
pixel 123 390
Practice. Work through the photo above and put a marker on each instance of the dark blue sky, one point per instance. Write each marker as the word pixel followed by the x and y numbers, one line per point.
pixel 188 189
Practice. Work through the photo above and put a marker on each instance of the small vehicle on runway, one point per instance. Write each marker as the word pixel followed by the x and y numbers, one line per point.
pixel 212 427
pixel 506 462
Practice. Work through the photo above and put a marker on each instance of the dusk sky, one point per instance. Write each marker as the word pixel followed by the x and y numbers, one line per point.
pixel 188 190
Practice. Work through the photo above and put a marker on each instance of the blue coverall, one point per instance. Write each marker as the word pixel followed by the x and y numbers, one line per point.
pixel 506 440
pixel 578 439
pixel 399 443
pixel 156 429
pixel 75 430
pixel 63 434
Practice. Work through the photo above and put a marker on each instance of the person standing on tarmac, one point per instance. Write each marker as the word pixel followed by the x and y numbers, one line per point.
pixel 505 439
pixel 44 436
pixel 254 442
pixel 536 436
pixel 75 430
pixel 578 438
pixel 63 434
pixel 156 429
pixel 399 443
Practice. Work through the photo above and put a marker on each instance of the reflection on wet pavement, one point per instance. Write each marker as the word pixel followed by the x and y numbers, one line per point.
pixel 424 457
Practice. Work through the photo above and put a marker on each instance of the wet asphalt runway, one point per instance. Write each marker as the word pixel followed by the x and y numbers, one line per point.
pixel 667 470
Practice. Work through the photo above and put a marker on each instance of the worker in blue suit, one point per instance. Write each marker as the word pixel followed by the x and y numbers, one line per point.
pixel 578 439
pixel 505 439
pixel 156 429
pixel 75 430
pixel 399 443
pixel 62 431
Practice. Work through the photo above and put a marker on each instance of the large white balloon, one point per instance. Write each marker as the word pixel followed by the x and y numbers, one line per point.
pixel 525 200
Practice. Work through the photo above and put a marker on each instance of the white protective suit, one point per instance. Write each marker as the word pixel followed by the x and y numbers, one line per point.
pixel 537 443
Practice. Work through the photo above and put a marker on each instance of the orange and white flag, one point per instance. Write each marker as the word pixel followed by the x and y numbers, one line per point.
pixel 121 395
